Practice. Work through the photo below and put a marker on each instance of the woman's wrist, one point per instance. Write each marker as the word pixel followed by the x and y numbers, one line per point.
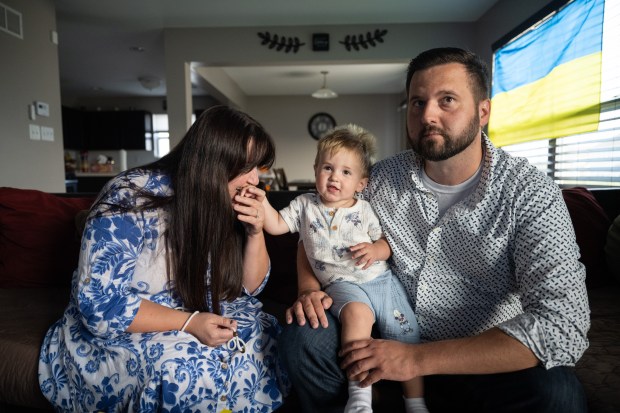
pixel 252 233
pixel 189 319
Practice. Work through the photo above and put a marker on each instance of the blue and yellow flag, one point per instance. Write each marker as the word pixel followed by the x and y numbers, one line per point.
pixel 547 83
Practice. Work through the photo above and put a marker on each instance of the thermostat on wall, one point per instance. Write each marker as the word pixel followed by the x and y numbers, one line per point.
pixel 43 109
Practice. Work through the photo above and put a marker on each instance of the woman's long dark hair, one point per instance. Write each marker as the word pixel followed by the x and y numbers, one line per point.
pixel 202 228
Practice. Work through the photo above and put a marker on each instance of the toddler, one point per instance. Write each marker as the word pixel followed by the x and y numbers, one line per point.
pixel 346 248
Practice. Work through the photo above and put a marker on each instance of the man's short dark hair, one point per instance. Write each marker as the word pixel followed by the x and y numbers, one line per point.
pixel 476 68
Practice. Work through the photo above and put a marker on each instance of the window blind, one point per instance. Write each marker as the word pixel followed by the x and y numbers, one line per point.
pixel 586 158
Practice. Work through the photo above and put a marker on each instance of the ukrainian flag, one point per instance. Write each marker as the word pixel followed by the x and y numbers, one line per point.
pixel 547 83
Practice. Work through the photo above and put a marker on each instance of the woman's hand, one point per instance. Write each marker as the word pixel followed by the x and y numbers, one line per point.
pixel 248 203
pixel 211 329
pixel 310 305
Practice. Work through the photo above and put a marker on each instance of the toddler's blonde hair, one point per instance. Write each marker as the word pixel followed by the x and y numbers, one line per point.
pixel 353 138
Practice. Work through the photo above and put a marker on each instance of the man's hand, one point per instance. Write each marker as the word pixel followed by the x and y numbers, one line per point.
pixel 487 353
pixel 380 359
pixel 311 302
pixel 311 306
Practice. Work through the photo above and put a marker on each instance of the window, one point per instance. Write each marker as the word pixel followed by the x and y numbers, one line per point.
pixel 161 135
pixel 588 153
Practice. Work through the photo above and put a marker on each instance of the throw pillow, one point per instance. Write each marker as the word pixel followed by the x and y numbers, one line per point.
pixel 591 224
pixel 39 246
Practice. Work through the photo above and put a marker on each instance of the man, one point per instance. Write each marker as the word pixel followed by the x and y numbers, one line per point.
pixel 484 245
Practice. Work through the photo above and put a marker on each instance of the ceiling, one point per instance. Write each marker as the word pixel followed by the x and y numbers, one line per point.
pixel 98 41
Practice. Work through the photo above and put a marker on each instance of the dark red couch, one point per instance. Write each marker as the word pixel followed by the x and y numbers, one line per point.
pixel 39 249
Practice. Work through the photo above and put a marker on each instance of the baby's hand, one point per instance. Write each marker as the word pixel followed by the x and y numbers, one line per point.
pixel 253 192
pixel 248 203
pixel 365 253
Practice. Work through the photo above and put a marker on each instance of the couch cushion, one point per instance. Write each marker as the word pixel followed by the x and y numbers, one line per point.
pixel 25 316
pixel 591 224
pixel 39 245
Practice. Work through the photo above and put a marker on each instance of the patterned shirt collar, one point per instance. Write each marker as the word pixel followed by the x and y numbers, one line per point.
pixel 490 159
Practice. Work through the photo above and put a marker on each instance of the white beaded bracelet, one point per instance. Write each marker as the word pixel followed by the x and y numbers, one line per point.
pixel 188 320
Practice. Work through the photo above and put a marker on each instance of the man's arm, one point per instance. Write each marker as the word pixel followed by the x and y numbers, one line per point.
pixel 490 352
pixel 550 279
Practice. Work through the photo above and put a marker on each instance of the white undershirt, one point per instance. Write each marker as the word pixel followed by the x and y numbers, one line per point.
pixel 448 195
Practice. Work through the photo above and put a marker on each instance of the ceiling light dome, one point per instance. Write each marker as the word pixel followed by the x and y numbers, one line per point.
pixel 149 82
pixel 324 92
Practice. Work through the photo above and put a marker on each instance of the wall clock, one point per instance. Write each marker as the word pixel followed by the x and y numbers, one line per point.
pixel 320 123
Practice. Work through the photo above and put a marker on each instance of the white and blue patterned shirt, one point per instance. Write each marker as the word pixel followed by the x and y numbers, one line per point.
pixel 90 362
pixel 505 256
pixel 328 233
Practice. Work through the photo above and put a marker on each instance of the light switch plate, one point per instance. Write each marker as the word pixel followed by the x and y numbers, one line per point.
pixel 47 134
pixel 35 132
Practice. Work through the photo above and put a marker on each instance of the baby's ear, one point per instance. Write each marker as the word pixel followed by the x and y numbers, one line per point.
pixel 362 184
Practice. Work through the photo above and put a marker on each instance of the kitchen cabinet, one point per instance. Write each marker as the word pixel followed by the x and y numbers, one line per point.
pixel 103 130
pixel 106 130
pixel 73 128
pixel 134 127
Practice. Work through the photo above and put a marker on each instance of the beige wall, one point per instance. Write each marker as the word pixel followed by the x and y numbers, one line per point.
pixel 216 47
pixel 28 73
pixel 32 74
pixel 286 119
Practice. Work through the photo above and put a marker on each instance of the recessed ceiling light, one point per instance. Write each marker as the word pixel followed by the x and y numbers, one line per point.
pixel 138 49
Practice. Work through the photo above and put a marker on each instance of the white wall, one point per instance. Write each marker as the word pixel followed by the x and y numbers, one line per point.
pixel 286 119
pixel 215 47
pixel 32 74
pixel 28 73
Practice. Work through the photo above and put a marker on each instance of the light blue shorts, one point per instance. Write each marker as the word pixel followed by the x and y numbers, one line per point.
pixel 387 299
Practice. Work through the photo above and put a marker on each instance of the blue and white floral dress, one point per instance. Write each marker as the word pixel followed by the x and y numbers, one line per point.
pixel 89 362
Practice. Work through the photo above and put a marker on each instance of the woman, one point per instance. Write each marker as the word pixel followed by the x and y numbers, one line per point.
pixel 162 315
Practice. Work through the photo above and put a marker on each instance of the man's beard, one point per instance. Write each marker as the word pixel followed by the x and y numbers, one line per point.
pixel 432 151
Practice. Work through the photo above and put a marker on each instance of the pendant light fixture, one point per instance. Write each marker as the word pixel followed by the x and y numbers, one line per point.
pixel 149 82
pixel 324 92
